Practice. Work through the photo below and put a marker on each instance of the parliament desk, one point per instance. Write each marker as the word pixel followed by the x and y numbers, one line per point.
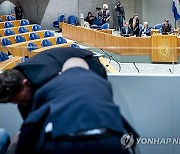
pixel 10 63
pixel 20 49
pixel 108 66
pixel 129 46
pixel 15 29
pixel 37 51
pixel 3 17
pixel 156 31
pixel 16 23
pixel 25 35
pixel 164 48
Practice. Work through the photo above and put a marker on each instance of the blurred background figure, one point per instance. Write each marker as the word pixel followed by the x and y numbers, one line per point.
pixel 18 11
pixel 166 27
pixel 126 30
pixel 146 31
pixel 105 14
pixel 4 141
pixel 90 18
pixel 121 14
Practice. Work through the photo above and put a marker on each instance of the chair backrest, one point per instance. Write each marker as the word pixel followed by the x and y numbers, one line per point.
pixel 36 27
pixel 19 38
pixel 10 18
pixel 8 32
pixel 1 20
pixel 48 33
pixel 33 36
pixel 157 26
pixel 24 59
pixel 24 22
pixel 74 45
pixel 8 24
pixel 140 27
pixel 31 46
pixel 46 43
pixel 97 21
pixel 72 20
pixel 60 40
pixel 61 18
pixel 5 42
pixel 105 26
pixel 3 56
pixel 23 29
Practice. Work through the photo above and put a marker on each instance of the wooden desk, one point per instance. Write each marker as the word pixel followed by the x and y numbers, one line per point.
pixel 20 49
pixel 3 17
pixel 164 48
pixel 16 23
pixel 25 35
pixel 108 66
pixel 129 46
pixel 156 31
pixel 15 29
pixel 10 63
pixel 108 31
pixel 64 45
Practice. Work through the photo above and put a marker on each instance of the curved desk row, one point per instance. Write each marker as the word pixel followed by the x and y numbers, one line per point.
pixel 15 29
pixel 20 49
pixel 10 63
pixel 163 50
pixel 25 35
pixel 3 17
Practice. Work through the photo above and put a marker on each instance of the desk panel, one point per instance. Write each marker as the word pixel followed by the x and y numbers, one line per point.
pixel 132 46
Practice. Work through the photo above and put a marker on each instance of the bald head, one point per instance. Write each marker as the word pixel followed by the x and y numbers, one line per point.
pixel 75 62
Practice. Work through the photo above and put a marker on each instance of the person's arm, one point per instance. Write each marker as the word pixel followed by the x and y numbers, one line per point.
pixel 108 15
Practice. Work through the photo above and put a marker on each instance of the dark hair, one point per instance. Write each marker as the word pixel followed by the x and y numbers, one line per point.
pixel 10 84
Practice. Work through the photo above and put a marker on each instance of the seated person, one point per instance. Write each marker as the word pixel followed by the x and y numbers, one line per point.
pixel 166 27
pixel 146 31
pixel 90 18
pixel 126 30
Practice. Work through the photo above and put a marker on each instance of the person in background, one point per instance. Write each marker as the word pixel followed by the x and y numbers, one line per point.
pixel 105 14
pixel 166 27
pixel 126 30
pixel 145 31
pixel 134 24
pixel 90 18
pixel 18 11
pixel 121 14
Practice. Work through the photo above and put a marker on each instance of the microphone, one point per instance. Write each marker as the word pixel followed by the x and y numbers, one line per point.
pixel 117 63
pixel 170 71
pixel 136 67
pixel 107 55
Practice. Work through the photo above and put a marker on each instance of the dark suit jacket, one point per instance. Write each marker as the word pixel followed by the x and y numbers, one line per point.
pixel 123 31
pixel 166 29
pixel 135 29
pixel 74 101
pixel 147 31
pixel 46 65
